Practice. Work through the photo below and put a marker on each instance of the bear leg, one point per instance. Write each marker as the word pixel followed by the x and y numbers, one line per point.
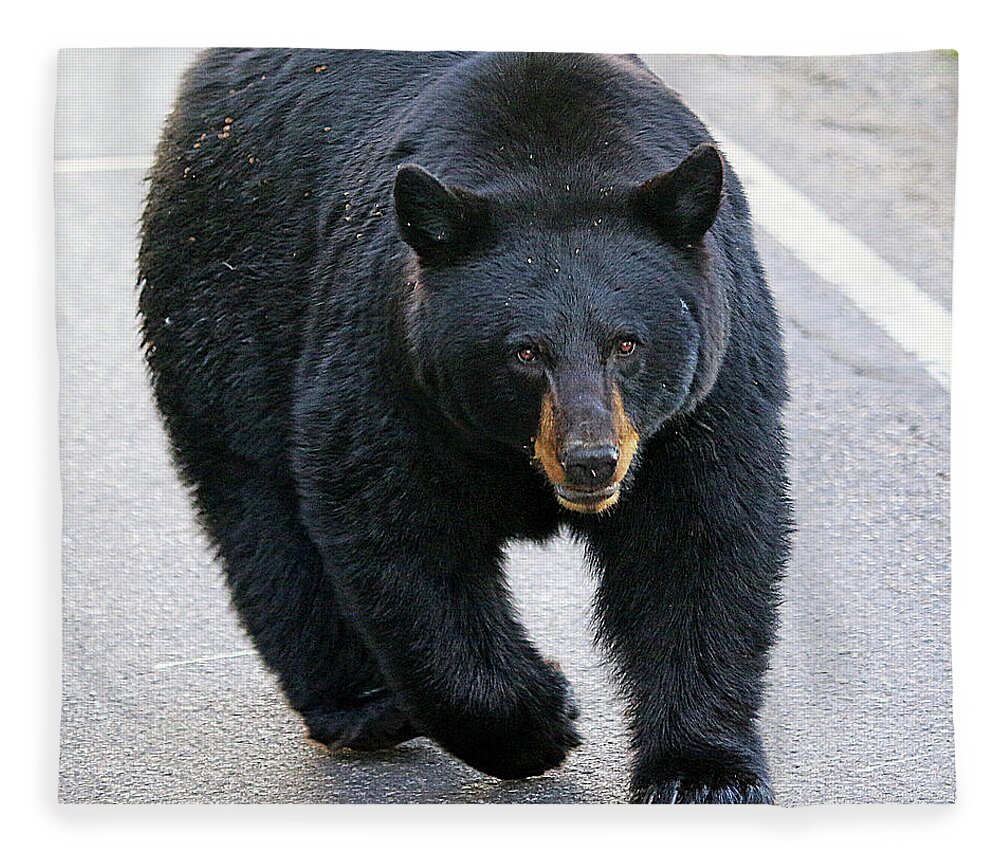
pixel 285 600
pixel 440 615
pixel 690 563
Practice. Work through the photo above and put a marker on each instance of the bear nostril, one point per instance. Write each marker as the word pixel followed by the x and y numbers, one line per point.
pixel 591 468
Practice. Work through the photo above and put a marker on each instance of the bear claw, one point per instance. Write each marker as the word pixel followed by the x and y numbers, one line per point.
pixel 729 788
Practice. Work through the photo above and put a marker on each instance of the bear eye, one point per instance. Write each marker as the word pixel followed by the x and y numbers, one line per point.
pixel 527 354
pixel 626 347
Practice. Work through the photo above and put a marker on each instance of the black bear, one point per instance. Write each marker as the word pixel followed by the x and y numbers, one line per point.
pixel 400 309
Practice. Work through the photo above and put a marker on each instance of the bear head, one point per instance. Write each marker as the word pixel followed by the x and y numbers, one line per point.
pixel 571 324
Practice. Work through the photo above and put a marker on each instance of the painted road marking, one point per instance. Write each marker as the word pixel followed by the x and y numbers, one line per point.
pixel 887 297
pixel 208 658
pixel 96 165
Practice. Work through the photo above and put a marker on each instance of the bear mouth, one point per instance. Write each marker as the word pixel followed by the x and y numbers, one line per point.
pixel 587 501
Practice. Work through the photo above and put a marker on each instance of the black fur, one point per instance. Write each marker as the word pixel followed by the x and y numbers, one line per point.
pixel 352 366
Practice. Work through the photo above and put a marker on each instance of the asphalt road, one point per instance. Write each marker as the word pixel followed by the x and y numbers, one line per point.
pixel 163 700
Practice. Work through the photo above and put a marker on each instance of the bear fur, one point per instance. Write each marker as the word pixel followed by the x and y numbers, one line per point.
pixel 402 309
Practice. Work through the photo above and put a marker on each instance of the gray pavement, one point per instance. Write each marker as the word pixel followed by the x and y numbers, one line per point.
pixel 163 700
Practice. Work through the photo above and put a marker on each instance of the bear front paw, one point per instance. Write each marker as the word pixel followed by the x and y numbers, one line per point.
pixel 706 788
pixel 532 735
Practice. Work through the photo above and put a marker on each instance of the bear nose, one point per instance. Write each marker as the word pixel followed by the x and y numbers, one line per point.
pixel 590 467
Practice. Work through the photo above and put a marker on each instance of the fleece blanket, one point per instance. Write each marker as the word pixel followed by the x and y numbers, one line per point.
pixel 847 164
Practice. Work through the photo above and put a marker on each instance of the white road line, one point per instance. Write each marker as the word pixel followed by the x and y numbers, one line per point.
pixel 891 300
pixel 206 659
pixel 96 165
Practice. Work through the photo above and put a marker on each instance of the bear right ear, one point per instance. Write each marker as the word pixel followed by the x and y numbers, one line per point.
pixel 438 221
pixel 682 203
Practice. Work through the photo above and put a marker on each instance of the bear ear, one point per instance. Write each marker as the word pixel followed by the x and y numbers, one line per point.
pixel 682 203
pixel 438 221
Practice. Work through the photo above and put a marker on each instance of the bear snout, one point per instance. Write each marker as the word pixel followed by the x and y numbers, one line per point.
pixel 590 467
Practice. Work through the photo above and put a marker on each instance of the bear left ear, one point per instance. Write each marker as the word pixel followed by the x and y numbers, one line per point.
pixel 682 203
pixel 436 220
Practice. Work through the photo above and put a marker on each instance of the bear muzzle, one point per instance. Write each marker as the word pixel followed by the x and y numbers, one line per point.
pixel 586 475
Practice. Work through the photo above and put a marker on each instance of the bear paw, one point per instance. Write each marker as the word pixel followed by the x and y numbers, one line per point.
pixel 373 722
pixel 703 788
pixel 532 737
